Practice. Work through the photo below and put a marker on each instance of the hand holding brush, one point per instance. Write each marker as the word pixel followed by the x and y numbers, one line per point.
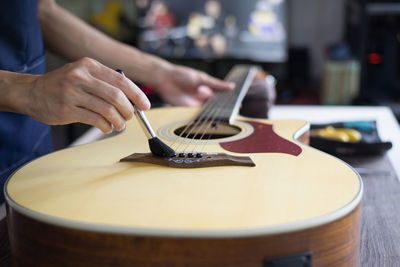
pixel 157 147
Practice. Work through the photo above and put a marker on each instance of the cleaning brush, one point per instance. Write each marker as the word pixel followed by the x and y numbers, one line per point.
pixel 157 147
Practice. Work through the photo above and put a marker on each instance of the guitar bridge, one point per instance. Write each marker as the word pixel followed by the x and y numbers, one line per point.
pixel 188 161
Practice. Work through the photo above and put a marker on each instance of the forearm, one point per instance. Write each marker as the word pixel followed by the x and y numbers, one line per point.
pixel 72 38
pixel 13 88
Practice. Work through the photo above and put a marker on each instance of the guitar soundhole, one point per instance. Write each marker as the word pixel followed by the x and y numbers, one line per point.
pixel 207 130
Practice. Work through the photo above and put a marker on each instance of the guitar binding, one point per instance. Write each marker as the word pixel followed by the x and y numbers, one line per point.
pixel 186 161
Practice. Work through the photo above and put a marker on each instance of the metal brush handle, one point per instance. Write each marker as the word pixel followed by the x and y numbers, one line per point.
pixel 144 123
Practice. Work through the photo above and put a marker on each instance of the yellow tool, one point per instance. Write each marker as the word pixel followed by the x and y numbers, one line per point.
pixel 338 134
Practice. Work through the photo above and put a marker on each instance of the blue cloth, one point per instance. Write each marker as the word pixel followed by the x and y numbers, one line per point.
pixel 22 139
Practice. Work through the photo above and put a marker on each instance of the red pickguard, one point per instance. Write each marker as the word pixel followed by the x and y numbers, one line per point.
pixel 262 140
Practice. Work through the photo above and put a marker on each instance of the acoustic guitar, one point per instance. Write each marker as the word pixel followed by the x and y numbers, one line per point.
pixel 239 192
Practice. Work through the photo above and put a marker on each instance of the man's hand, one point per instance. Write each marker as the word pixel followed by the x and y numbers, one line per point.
pixel 84 91
pixel 182 86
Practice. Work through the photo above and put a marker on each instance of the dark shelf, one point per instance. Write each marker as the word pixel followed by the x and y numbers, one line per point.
pixel 383 9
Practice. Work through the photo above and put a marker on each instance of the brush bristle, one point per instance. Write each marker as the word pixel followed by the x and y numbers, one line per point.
pixel 160 149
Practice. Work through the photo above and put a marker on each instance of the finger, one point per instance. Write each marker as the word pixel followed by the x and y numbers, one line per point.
pixel 88 117
pixel 111 95
pixel 204 92
pixel 106 110
pixel 137 96
pixel 189 101
pixel 131 90
pixel 215 83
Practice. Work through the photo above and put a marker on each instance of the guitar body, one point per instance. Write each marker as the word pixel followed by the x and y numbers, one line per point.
pixel 82 207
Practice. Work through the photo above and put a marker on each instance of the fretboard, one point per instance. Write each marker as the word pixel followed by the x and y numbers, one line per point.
pixel 224 105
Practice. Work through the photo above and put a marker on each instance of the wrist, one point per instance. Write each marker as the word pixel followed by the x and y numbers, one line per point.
pixel 152 71
pixel 15 88
pixel 161 73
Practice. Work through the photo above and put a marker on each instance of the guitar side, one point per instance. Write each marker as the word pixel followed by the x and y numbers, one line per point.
pixel 85 190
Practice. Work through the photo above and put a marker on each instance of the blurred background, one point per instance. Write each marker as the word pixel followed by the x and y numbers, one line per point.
pixel 321 52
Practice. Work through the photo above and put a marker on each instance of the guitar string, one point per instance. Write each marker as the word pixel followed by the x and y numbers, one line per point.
pixel 216 101
pixel 234 95
pixel 197 120
pixel 208 115
pixel 210 135
pixel 192 124
pixel 210 119
pixel 216 119
pixel 205 114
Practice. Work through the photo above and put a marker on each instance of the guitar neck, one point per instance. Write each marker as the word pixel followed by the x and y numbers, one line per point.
pixel 224 106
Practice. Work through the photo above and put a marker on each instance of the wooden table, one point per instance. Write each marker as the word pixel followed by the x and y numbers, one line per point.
pixel 380 232
pixel 380 236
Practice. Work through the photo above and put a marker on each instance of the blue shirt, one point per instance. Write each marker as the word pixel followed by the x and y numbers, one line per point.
pixel 22 139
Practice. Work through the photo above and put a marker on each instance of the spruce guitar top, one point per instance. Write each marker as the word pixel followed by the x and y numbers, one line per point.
pixel 259 196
